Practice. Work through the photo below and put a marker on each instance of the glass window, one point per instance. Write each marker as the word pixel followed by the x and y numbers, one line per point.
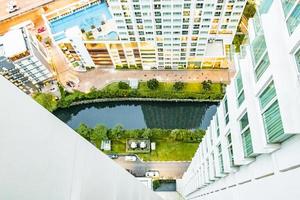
pixel 217 125
pixel 267 95
pixel 273 124
pixel 226 110
pixel 297 57
pixel 230 150
pixel 294 19
pixel 287 5
pixel 262 66
pixel 271 115
pixel 247 143
pixel 221 165
pixel 239 89
pixel 258 47
pixel 246 136
pixel 244 121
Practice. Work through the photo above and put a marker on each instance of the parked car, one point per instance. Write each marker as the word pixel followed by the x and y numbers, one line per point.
pixel 12 6
pixel 130 158
pixel 152 174
pixel 113 156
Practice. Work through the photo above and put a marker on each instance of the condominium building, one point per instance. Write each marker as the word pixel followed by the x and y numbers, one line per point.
pixel 177 34
pixel 251 148
pixel 24 60
pixel 9 71
pixel 185 33
pixel 43 158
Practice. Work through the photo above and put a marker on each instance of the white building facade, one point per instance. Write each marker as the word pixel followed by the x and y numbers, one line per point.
pixel 29 56
pixel 184 32
pixel 251 148
pixel 42 158
pixel 136 34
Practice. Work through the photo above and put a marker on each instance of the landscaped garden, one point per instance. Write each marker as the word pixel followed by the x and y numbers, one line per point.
pixel 150 89
pixel 171 145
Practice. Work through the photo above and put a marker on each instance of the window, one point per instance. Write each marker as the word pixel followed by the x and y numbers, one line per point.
pixel 221 164
pixel 287 5
pixel 246 136
pixel 230 150
pixel 258 47
pixel 226 110
pixel 213 164
pixel 239 89
pixel 294 19
pixel 271 115
pixel 262 66
pixel 217 125
pixel 297 57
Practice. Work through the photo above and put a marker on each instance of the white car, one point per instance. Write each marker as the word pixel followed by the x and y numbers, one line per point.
pixel 130 158
pixel 12 6
pixel 152 173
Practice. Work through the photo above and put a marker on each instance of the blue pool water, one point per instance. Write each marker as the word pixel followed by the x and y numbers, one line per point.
pixel 85 18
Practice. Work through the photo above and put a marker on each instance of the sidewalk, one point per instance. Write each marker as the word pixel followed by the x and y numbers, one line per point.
pixel 99 78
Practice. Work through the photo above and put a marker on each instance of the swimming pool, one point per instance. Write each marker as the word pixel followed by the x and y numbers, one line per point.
pixel 85 18
pixel 110 36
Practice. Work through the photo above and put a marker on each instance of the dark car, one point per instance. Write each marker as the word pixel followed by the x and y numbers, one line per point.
pixel 113 156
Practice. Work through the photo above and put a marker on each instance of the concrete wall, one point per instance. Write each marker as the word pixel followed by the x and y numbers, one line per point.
pixel 42 158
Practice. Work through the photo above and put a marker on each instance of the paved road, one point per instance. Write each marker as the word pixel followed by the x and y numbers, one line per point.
pixel 24 5
pixel 171 170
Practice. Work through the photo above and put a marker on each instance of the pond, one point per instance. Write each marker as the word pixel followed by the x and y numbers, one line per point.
pixel 137 115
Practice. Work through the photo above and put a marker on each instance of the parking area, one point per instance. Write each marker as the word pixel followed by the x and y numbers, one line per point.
pixel 167 170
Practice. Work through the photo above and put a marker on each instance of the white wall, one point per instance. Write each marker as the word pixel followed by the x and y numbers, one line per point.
pixel 41 158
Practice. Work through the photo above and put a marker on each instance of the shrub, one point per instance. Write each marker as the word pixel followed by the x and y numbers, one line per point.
pixel 123 85
pixel 178 85
pixel 206 85
pixel 156 184
pixel 152 84
pixel 47 100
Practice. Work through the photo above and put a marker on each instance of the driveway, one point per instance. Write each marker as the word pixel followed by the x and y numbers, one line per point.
pixel 167 170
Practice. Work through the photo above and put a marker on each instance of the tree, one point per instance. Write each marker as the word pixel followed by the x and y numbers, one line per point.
pixel 84 131
pixel 116 132
pixel 99 133
pixel 123 85
pixel 152 84
pixel 147 133
pixel 178 85
pixel 174 134
pixel 47 100
pixel 206 85
pixel 133 133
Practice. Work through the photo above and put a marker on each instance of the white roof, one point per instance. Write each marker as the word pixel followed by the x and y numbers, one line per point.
pixel 13 43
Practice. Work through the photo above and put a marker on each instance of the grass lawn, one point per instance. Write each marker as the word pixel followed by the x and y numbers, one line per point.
pixel 165 150
pixel 171 151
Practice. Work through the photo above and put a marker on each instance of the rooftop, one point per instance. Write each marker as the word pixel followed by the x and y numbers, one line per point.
pixel 14 43
pixel 85 17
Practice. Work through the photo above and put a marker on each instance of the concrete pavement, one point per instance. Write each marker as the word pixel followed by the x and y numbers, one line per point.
pixel 99 78
pixel 167 170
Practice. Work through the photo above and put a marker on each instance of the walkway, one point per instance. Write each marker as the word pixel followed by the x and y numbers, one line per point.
pixel 99 78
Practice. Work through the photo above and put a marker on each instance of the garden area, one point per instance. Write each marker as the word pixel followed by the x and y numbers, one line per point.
pixel 171 145
pixel 149 89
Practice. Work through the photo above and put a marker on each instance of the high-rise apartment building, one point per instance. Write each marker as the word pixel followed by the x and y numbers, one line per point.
pixel 185 33
pixel 251 148
pixel 24 61
pixel 160 34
